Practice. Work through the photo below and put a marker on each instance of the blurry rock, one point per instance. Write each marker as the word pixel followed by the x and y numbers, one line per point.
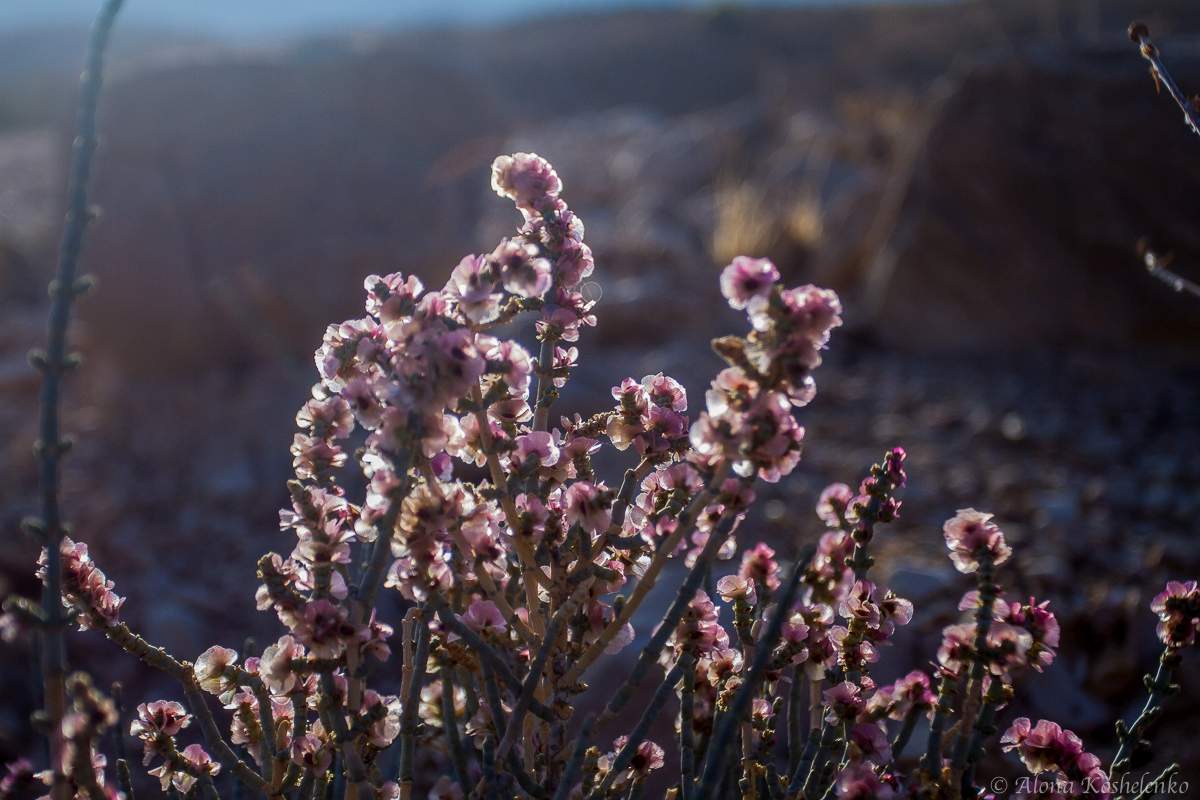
pixel 1020 224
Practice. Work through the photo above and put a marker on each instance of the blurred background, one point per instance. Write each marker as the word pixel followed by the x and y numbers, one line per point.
pixel 973 177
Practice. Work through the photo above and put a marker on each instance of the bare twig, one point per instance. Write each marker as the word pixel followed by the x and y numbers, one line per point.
pixel 1156 265
pixel 1140 35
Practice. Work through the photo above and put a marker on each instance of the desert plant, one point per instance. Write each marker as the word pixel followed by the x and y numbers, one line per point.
pixel 520 571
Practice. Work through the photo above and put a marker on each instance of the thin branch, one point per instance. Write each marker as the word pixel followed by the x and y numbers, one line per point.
pixel 571 774
pixel 486 654
pixel 536 668
pixel 638 734
pixel 687 591
pixel 54 363
pixel 415 674
pixel 1156 265
pixel 1140 35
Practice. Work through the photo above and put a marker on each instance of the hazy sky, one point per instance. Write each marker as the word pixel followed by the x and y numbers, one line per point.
pixel 259 17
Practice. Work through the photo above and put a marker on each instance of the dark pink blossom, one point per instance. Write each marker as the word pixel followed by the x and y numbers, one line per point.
pixel 1178 610
pixel 483 616
pixel 860 782
pixel 747 278
pixel 843 702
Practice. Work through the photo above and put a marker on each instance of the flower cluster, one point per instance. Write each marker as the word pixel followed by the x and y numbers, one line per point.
pixel 1047 747
pixel 518 567
pixel 85 587
pixel 1178 610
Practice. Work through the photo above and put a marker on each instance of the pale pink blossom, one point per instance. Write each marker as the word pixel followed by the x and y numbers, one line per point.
pixel 971 533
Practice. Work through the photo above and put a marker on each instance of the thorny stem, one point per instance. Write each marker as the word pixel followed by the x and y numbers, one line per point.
pixel 212 737
pixel 629 484
pixel 819 743
pixel 54 363
pixel 157 657
pixel 496 709
pixel 541 408
pixel 686 521
pixel 358 782
pixel 125 779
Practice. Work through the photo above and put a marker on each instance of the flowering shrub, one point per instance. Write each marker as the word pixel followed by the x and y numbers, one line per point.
pixel 520 570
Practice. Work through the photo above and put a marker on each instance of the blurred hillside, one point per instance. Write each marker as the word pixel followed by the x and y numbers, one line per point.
pixel 973 179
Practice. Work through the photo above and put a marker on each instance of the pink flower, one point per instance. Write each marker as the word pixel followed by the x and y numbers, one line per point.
pixel 859 782
pixel 898 699
pixel 1178 610
pixel 197 760
pixel 393 296
pixel 871 741
pixel 1048 747
pixel 473 286
pixel 834 503
pixel 483 615
pixel 527 179
pixel 324 628
pixel 17 780
pixel 747 278
pixel 1041 625
pixel 210 670
pixel 521 270
pixel 275 666
pixel 538 446
pixel 310 752
pixel 326 416
pixel 589 505
pixel 736 587
pixel 574 263
pixel 85 586
pixel 760 567
pixel 516 364
pixel 971 533
pixel 155 719
pixel 844 702
pixel 700 627
pixel 647 757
